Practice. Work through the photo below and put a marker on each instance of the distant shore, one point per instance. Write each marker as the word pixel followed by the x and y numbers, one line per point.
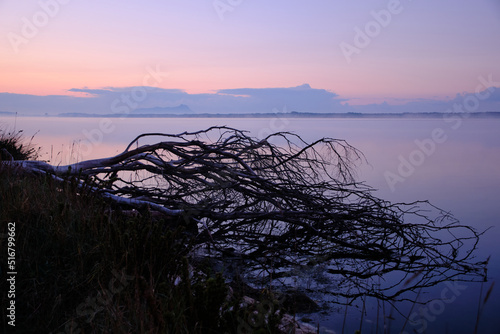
pixel 293 114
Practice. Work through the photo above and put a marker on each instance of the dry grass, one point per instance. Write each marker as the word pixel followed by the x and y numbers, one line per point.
pixel 72 249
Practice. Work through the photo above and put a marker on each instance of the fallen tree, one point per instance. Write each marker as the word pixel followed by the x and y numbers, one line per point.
pixel 280 212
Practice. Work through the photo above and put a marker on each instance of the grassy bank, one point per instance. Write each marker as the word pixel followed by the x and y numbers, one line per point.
pixel 84 266
pixel 81 265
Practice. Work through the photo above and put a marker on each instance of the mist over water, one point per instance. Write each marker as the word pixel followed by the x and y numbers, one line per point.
pixel 457 170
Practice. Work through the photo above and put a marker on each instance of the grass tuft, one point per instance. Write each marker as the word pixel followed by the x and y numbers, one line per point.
pixel 13 146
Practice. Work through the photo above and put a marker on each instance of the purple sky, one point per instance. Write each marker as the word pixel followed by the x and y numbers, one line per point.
pixel 360 53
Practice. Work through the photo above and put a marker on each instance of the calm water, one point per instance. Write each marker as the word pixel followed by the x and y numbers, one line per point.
pixel 454 165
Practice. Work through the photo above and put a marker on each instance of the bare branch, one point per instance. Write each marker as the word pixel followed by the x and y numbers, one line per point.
pixel 285 209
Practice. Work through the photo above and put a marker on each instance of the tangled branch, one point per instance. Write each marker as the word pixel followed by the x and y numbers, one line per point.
pixel 282 209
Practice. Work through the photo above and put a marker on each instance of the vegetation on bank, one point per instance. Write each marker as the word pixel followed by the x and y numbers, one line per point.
pixel 13 146
pixel 85 266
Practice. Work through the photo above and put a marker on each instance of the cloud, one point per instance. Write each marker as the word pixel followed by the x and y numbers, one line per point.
pixel 301 98
pixel 304 98
pixel 37 105
pixel 122 99
pixel 107 91
pixel 93 92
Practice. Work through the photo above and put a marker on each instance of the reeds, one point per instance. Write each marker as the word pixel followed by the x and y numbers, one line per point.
pixel 72 249
pixel 482 302
pixel 14 146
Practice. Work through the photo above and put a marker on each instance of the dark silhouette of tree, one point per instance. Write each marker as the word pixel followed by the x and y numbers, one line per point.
pixel 284 213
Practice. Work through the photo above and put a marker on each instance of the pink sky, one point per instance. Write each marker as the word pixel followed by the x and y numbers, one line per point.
pixel 423 49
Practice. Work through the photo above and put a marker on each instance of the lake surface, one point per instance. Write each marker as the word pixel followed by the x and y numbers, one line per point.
pixel 455 165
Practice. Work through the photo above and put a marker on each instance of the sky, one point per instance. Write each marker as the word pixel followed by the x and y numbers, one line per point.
pixel 235 55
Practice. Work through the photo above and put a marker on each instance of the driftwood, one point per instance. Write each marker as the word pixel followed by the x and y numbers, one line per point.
pixel 287 212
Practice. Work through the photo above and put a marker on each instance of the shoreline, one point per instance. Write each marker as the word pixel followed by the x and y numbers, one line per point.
pixel 424 115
